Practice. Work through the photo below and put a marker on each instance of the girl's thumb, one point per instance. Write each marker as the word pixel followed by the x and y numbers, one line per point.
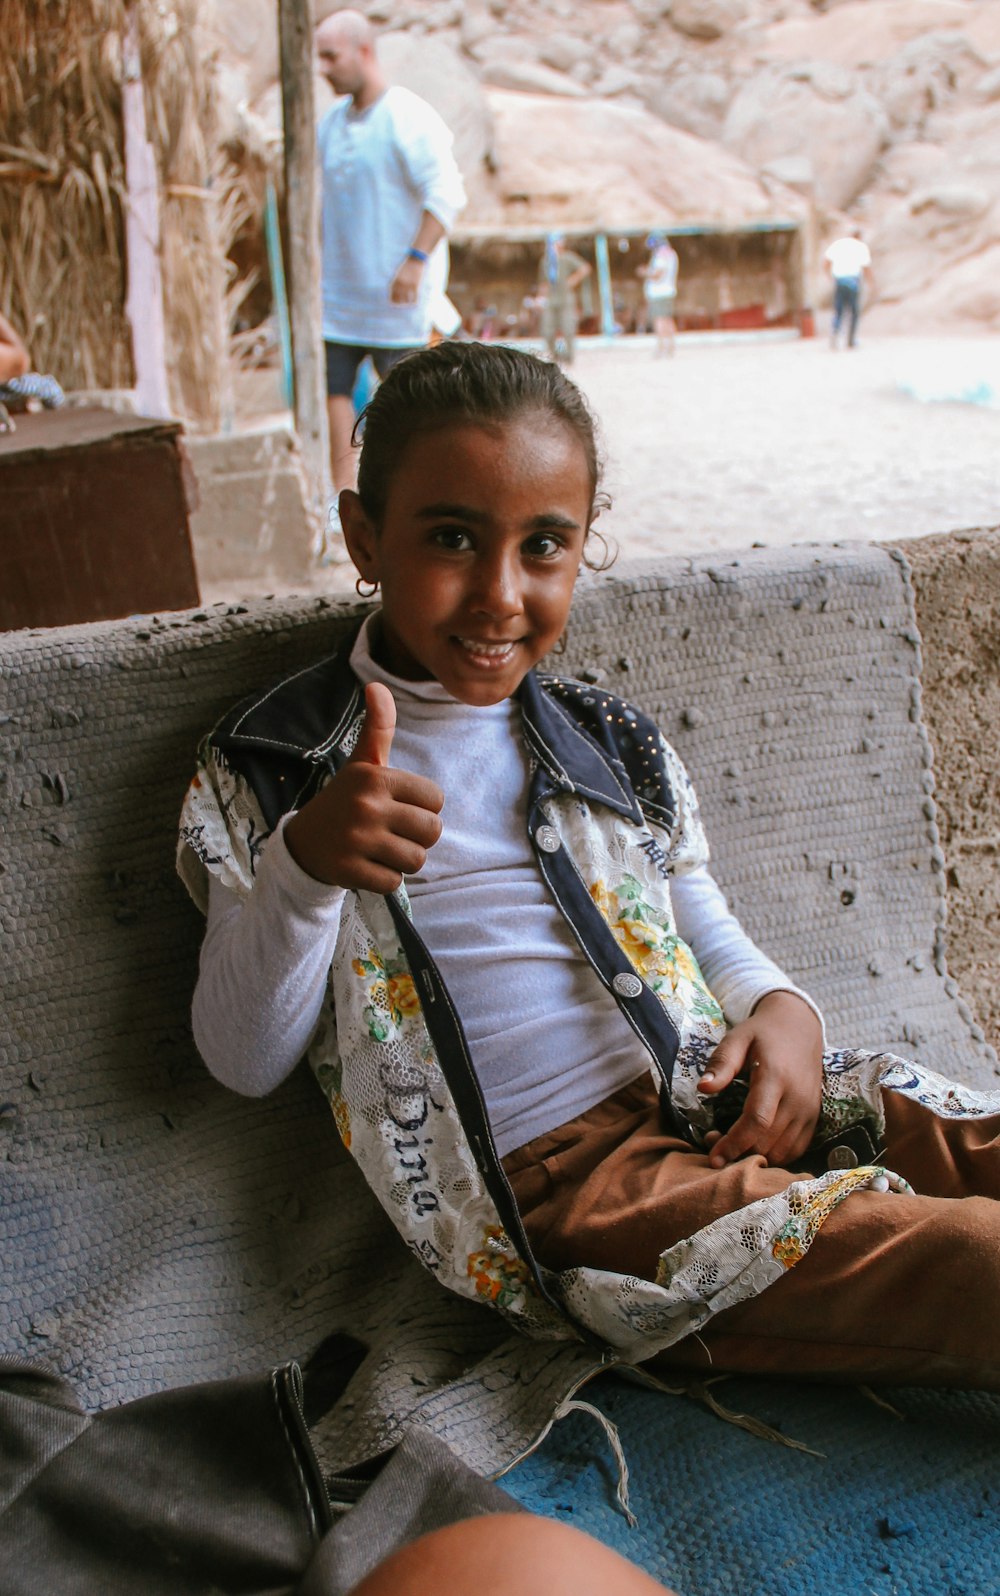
pixel 374 742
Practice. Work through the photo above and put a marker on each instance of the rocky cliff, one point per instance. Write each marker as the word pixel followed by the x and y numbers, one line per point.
pixel 629 112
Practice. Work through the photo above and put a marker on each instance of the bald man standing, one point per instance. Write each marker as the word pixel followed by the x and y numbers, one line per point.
pixel 391 192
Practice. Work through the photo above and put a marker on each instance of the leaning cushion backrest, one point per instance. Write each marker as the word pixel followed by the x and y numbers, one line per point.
pixel 157 1229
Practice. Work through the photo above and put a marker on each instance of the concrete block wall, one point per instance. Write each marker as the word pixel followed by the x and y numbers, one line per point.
pixel 253 517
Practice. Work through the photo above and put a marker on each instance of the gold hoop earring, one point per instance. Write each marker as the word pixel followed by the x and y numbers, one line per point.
pixel 363 581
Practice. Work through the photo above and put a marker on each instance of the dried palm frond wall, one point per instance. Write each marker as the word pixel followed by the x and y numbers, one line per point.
pixel 62 277
pixel 63 195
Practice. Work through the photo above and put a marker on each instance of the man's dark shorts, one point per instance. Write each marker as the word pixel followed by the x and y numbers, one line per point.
pixel 343 360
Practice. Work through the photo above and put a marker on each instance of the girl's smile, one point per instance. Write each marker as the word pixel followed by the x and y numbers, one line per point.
pixel 478 551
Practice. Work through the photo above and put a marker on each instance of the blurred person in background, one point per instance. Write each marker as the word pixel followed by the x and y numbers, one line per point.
pixel 390 193
pixel 660 289
pixel 561 275
pixel 20 387
pixel 848 261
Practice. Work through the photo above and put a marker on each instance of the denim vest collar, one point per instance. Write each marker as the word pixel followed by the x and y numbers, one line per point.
pixel 306 717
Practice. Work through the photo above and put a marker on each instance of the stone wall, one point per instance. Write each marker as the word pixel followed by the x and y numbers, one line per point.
pixel 956 579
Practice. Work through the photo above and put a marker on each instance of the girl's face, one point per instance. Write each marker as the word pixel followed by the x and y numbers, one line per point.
pixel 477 553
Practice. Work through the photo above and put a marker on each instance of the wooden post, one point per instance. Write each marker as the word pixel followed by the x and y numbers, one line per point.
pixel 607 298
pixel 295 37
pixel 144 298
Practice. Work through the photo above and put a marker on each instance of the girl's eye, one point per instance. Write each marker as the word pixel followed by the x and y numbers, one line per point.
pixel 452 537
pixel 543 545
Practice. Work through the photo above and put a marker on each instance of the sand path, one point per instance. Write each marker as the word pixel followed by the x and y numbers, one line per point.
pixel 788 442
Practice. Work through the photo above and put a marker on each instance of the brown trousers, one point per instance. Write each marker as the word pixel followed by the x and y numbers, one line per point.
pixel 895 1288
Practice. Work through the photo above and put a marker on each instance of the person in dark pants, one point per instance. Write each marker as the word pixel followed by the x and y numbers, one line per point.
pixel 390 193
pixel 849 262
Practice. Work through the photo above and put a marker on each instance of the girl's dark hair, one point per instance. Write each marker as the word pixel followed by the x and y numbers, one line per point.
pixel 458 381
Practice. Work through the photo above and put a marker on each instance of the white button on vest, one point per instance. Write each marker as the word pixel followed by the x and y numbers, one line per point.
pixel 627 985
pixel 547 838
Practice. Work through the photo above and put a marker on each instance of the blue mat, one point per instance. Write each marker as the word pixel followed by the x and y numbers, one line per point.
pixel 904 1506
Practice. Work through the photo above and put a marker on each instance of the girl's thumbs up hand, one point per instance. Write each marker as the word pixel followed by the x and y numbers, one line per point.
pixel 372 824
pixel 374 742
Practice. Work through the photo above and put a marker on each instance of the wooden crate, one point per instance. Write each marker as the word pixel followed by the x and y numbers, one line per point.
pixel 93 519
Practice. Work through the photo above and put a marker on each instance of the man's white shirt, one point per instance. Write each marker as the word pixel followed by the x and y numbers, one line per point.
pixel 381 169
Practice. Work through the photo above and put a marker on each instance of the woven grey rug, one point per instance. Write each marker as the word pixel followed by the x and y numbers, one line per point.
pixel 156 1229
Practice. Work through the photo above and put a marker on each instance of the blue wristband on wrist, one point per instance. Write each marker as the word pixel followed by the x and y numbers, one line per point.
pixel 417 254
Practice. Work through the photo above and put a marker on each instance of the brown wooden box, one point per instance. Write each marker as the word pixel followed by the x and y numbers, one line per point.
pixel 93 519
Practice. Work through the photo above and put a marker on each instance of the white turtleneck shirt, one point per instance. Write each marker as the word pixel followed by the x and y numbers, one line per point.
pixel 547 1039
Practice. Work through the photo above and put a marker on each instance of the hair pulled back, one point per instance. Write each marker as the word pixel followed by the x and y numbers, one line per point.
pixel 466 382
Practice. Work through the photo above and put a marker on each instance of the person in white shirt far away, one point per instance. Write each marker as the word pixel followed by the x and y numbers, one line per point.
pixel 849 262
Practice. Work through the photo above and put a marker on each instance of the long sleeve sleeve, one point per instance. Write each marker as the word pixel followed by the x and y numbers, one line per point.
pixel 426 146
pixel 737 972
pixel 263 971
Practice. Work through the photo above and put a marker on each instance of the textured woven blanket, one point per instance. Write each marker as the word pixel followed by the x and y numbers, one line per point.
pixel 157 1230
pixel 884 1503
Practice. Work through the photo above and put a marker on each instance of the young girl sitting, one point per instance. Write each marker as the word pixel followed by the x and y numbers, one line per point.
pixel 479 896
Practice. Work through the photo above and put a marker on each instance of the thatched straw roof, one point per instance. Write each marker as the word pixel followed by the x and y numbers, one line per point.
pixel 63 193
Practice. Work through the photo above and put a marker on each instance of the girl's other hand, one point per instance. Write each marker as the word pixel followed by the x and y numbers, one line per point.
pixel 372 824
pixel 780 1050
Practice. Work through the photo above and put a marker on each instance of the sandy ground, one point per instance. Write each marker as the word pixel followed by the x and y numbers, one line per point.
pixel 728 444
pixel 787 442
